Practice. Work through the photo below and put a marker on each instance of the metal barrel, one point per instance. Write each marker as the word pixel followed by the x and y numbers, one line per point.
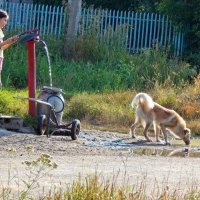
pixel 44 95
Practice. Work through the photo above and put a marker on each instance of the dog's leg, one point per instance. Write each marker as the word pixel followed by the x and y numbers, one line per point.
pixel 167 122
pixel 164 130
pixel 133 127
pixel 145 132
pixel 157 132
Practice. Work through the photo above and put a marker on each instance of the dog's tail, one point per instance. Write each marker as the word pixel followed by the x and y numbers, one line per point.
pixel 143 100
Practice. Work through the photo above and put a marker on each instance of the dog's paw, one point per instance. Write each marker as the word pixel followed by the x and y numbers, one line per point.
pixel 133 135
pixel 149 140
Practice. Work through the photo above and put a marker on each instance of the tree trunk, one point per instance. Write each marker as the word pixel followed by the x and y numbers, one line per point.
pixel 74 10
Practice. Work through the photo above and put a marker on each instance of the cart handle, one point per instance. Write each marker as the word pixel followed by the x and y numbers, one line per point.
pixel 35 100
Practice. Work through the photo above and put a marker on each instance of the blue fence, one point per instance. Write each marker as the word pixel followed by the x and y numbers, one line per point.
pixel 49 19
pixel 134 31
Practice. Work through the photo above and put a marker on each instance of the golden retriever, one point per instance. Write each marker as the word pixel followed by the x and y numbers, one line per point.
pixel 168 121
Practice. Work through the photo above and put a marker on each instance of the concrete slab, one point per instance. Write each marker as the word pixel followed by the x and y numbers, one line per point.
pixel 11 122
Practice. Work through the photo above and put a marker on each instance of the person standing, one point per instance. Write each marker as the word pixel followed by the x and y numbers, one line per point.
pixel 4 44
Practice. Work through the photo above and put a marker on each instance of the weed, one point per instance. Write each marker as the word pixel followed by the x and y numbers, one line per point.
pixel 37 170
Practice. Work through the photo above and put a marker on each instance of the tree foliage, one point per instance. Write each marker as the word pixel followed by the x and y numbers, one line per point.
pixel 186 15
pixel 49 2
pixel 135 5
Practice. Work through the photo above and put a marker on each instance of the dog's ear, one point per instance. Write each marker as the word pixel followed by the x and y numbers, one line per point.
pixel 187 131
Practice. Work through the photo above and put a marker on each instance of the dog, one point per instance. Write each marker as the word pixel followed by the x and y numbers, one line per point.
pixel 163 119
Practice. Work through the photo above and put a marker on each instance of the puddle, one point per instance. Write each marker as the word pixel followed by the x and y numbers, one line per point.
pixel 184 152
pixel 118 143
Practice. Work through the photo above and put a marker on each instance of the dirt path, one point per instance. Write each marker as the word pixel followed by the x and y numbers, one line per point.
pixel 109 154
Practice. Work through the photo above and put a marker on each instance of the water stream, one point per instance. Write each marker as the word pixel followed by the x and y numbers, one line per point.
pixel 48 59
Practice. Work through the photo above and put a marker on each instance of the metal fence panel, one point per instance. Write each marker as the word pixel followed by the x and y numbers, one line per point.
pixel 134 31
pixel 24 16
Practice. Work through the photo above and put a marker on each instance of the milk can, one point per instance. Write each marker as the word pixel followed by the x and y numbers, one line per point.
pixel 53 96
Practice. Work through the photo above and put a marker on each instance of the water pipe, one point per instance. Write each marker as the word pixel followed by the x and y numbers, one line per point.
pixel 30 37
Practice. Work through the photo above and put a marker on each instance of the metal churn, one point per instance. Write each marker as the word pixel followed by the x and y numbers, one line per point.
pixel 53 96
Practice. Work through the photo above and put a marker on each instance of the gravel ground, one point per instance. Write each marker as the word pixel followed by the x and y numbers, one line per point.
pixel 107 153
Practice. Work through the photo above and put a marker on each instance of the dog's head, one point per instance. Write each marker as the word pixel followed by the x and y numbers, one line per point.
pixel 186 136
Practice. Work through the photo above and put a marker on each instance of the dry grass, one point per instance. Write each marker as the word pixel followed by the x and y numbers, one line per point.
pixel 96 187
pixel 112 111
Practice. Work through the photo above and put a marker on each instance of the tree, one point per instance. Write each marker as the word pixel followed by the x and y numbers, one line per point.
pixel 49 2
pixel 74 10
pixel 134 5
pixel 186 15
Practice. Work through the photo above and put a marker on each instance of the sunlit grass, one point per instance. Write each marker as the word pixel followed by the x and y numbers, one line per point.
pixel 11 106
pixel 111 111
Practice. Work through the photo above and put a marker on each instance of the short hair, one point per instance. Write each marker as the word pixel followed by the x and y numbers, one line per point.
pixel 3 14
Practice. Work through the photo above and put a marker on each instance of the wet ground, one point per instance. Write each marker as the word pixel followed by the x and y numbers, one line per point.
pixel 140 146
pixel 96 142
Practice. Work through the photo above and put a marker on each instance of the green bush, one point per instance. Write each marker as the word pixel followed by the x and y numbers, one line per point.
pixel 96 68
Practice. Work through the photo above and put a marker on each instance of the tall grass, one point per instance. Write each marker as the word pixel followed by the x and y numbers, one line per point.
pixel 95 67
pixel 96 187
pixel 141 71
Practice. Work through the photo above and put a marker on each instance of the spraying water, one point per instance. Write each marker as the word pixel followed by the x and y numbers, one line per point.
pixel 48 59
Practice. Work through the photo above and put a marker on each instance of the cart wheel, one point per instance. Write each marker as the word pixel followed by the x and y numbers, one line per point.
pixel 75 129
pixel 42 124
